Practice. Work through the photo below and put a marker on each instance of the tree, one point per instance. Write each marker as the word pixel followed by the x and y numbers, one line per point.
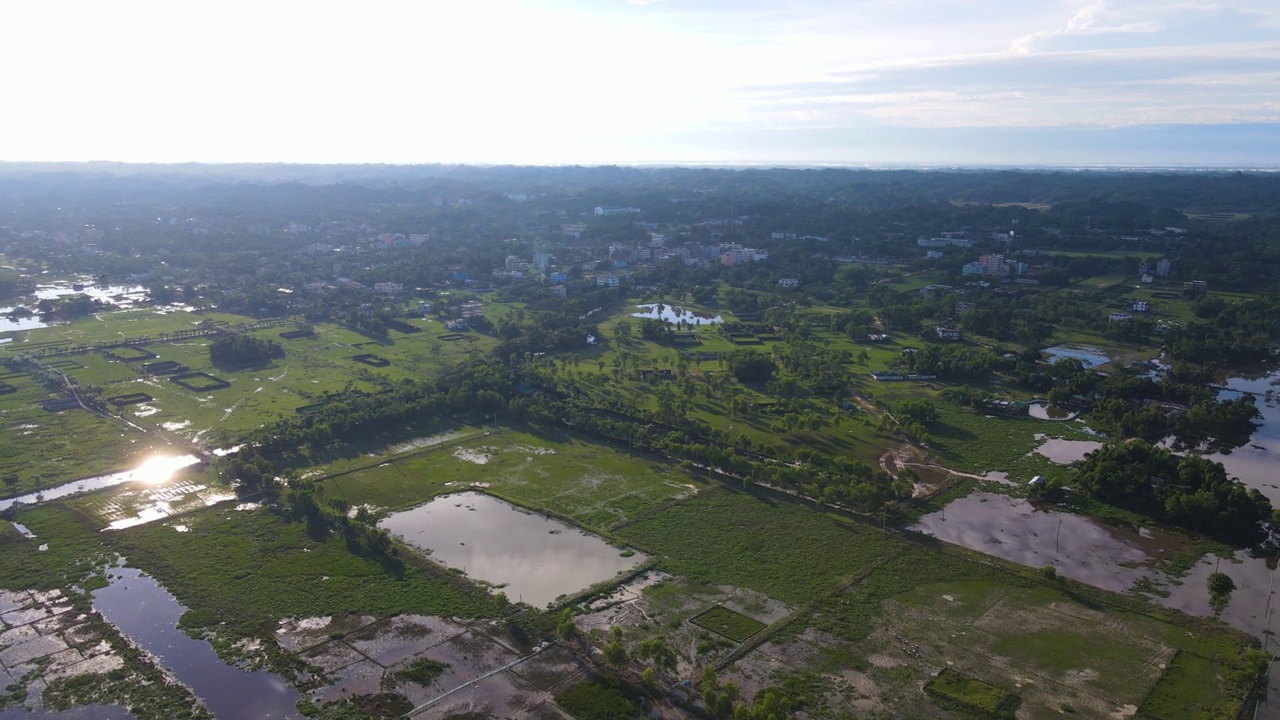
pixel 1220 588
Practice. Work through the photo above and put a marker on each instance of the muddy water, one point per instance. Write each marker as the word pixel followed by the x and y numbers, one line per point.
pixel 142 609
pixel 155 470
pixel 1012 529
pixel 534 558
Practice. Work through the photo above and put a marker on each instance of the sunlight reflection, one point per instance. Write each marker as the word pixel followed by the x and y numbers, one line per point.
pixel 160 468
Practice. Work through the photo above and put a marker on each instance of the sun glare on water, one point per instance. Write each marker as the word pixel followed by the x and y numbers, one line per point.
pixel 160 468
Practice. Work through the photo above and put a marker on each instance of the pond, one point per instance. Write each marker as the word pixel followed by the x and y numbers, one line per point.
pixel 673 314
pixel 1043 411
pixel 142 609
pixel 533 558
pixel 154 471
pixel 1065 452
pixel 12 324
pixel 1090 356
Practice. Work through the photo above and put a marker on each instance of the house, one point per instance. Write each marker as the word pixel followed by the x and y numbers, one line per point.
pixel 606 281
pixel 1141 306
pixel 559 276
pixel 790 283
pixel 389 288
pixel 1119 317
pixel 945 333
pixel 608 210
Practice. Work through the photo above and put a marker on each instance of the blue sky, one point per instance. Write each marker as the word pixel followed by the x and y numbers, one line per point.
pixel 939 82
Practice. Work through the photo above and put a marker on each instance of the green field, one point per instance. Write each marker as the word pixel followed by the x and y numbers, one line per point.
pixel 733 537
pixel 590 483
pixel 733 625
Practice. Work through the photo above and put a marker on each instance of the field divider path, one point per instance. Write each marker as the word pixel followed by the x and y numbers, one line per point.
pixel 767 633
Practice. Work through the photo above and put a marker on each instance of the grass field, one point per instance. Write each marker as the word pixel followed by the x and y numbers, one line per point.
pixel 593 484
pixel 733 625
pixel 733 537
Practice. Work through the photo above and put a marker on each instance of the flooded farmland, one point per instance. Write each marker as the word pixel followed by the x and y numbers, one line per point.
pixel 154 471
pixel 142 609
pixel 674 315
pixel 533 558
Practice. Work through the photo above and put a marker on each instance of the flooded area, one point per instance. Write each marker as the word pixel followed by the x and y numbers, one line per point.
pixel 1065 452
pixel 142 609
pixel 1089 355
pixel 10 323
pixel 532 558
pixel 675 315
pixel 1257 463
pixel 154 471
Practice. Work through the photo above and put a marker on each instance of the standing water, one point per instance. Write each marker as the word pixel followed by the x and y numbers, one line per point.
pixel 143 610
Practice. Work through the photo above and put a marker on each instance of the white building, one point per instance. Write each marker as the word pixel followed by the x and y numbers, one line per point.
pixel 1164 267
pixel 790 283
pixel 389 288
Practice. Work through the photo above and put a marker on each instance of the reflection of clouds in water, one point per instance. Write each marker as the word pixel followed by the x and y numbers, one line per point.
pixel 1012 529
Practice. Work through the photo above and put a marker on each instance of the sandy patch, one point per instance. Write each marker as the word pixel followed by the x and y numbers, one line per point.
pixel 473 455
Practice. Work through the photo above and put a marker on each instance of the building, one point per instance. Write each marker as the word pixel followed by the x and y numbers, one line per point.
pixel 389 288
pixel 472 309
pixel 933 254
pixel 790 283
pixel 946 333
pixel 559 291
pixel 973 268
pixel 606 281
pixel 1141 306
pixel 1119 317
pixel 1164 267
pixel 559 276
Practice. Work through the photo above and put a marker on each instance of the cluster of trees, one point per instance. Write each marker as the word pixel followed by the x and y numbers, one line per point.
pixel 1190 492
pixel 239 349
pixel 750 366
pixel 1237 333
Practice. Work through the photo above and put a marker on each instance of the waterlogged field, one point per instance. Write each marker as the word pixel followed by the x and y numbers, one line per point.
pixel 44 448
pixel 593 484
pixel 1056 648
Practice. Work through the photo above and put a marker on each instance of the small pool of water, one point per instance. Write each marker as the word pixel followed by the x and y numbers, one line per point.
pixel 144 610
pixel 155 470
pixel 534 559
pixel 674 314
pixel 1090 356
pixel 1065 452
pixel 1256 463
pixel 1042 411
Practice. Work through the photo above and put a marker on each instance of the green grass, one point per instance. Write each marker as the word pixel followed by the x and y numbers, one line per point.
pixel 590 483
pixel 735 626
pixel 733 537
pixel 250 569
pixel 954 688
pixel 598 698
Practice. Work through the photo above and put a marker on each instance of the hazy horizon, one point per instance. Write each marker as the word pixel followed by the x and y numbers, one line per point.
pixel 1050 83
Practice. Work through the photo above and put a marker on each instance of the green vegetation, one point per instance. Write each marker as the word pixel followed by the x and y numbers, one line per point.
pixel 423 671
pixel 722 620
pixel 599 698
pixel 733 537
pixel 953 690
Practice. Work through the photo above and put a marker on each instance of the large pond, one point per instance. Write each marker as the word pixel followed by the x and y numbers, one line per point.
pixel 674 315
pixel 533 558
pixel 155 470
pixel 1090 356
pixel 142 609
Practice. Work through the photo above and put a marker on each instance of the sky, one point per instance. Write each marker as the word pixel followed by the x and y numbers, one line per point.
pixel 739 82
